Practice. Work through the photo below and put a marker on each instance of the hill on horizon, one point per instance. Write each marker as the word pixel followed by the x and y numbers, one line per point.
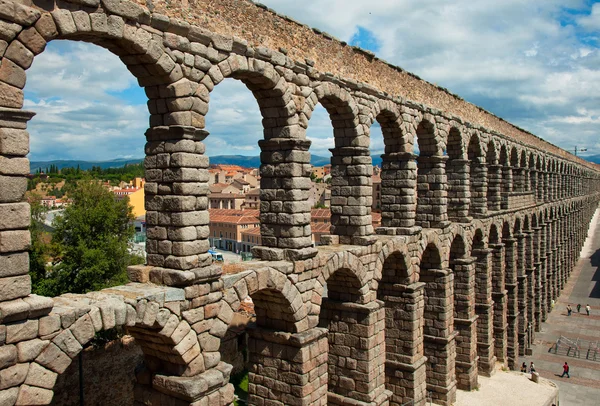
pixel 241 160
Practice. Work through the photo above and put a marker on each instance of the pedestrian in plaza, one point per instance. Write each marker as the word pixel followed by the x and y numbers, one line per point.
pixel 578 307
pixel 552 304
pixel 524 368
pixel 569 310
pixel 565 370
pixel 587 309
pixel 531 368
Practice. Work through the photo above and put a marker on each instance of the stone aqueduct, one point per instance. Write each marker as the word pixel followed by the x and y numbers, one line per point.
pixel 479 232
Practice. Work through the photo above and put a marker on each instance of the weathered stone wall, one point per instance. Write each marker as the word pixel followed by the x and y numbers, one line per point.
pixel 452 281
pixel 108 375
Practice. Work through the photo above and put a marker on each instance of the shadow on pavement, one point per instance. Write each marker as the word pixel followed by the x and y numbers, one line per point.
pixel 595 260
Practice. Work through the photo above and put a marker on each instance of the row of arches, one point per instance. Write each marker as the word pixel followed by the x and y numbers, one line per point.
pixel 430 315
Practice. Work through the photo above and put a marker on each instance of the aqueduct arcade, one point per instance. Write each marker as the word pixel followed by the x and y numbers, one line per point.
pixel 480 229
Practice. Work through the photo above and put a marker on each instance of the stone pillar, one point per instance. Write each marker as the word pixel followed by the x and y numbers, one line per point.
pixel 398 193
pixel 537 281
pixel 351 195
pixel 484 306
pixel 512 288
pixel 356 352
pixel 439 335
pixel 518 179
pixel 507 185
pixel 176 197
pixel 15 282
pixel 494 187
pixel 546 191
pixel 458 190
pixel 288 369
pixel 284 207
pixel 432 201
pixel 522 293
pixel 478 187
pixel 533 179
pixel 465 322
pixel 529 272
pixel 405 362
pixel 499 296
pixel 540 186
pixel 526 180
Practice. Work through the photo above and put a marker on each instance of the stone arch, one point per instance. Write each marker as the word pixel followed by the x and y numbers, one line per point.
pixel 278 303
pixel 169 344
pixel 387 114
pixel 494 186
pixel 351 164
pixel 402 299
pixel 431 176
pixel 427 139
pixel 478 176
pixel 272 92
pixel 457 169
pixel 117 32
pixel 400 249
pixel 439 346
pixel 507 175
pixel 350 278
pixel 461 264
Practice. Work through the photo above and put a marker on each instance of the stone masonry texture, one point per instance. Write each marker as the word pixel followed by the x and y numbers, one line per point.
pixel 479 234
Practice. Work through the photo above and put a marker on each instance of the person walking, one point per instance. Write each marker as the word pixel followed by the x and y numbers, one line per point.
pixel 565 370
pixel 569 310
pixel 587 309
pixel 524 368
pixel 578 307
pixel 531 368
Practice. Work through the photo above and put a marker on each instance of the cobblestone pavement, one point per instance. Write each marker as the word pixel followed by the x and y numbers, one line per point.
pixel 583 287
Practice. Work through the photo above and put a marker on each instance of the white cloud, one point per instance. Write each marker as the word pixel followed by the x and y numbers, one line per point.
pixel 532 63
pixel 86 105
pixel 591 21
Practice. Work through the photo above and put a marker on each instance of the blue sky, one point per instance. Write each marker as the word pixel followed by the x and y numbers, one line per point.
pixel 535 63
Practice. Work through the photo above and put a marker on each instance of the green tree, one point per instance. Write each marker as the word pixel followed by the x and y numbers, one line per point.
pixel 38 252
pixel 92 238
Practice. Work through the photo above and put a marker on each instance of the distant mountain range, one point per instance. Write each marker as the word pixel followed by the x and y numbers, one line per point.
pixel 241 160
pixel 85 165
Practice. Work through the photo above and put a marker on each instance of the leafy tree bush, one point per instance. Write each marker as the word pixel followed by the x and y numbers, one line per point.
pixel 91 240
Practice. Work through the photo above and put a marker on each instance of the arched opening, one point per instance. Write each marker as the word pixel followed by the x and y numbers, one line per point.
pixel 234 122
pixel 494 187
pixel 391 177
pixel 457 170
pixel 321 135
pixel 465 320
pixel 84 170
pixel 431 178
pixel 438 329
pixel 403 303
pixel 355 337
pixel 478 177
pixel 517 173
pixel 507 177
pixel 524 172
pixel 282 357
pixel 541 181
pixel 532 177
pixel 351 168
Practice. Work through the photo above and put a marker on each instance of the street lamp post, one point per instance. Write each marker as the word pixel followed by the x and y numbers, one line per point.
pixel 580 150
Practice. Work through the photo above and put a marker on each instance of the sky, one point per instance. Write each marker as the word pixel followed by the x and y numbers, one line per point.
pixel 536 63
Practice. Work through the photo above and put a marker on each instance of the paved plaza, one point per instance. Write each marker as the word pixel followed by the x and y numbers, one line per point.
pixel 583 287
